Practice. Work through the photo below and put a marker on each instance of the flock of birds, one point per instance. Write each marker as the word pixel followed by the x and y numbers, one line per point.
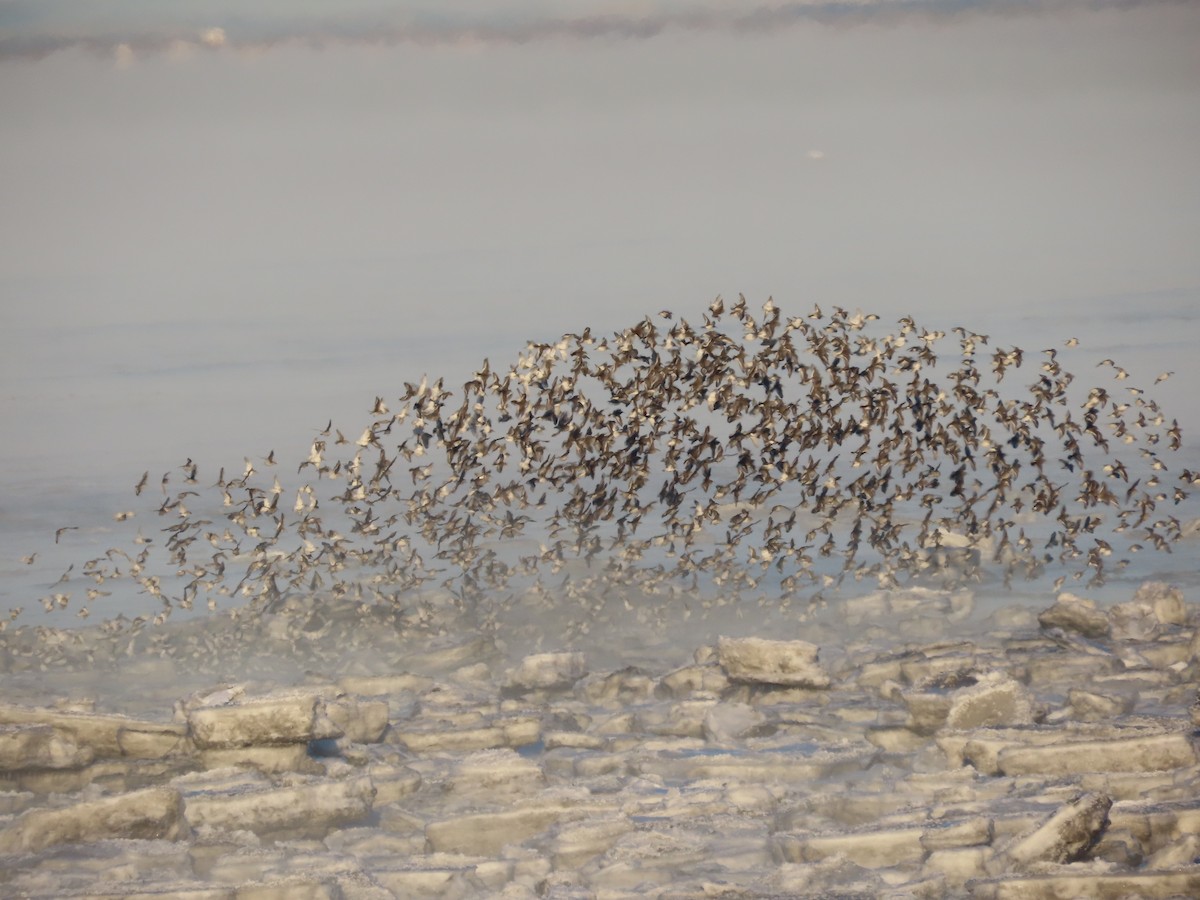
pixel 783 454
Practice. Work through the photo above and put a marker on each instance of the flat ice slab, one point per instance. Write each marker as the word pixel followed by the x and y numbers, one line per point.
pixel 758 660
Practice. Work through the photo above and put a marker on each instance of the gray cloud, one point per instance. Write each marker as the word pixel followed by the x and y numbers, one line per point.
pixel 126 29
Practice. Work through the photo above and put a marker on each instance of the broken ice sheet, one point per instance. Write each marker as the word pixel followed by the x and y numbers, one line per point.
pixel 972 759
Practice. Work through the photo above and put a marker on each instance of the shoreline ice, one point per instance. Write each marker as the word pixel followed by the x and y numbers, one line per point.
pixel 925 754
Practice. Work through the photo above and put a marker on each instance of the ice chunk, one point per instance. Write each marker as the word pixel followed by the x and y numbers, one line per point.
pixel 150 814
pixel 869 848
pixel 941 663
pixel 958 833
pixel 495 772
pixel 1078 614
pixel 150 741
pixel 243 863
pixel 995 699
pixel 1168 652
pixel 107 868
pixel 1133 621
pixel 1182 852
pixel 501 731
pixel 962 699
pixel 957 864
pixel 1064 837
pixel 269 758
pixel 1106 886
pixel 728 723
pixel 800 765
pixel 878 671
pixel 430 878
pixel 306 807
pixel 1136 754
pixel 102 734
pixel 293 887
pixel 684 718
pixel 982 747
pixel 575 740
pixel 1119 847
pixel 40 747
pixel 547 671
pixel 283 718
pixel 894 738
pixel 628 685
pixel 361 721
pixel 1157 824
pixel 833 877
pixel 574 843
pixel 927 709
pixel 706 679
pixel 643 858
pixel 485 833
pixel 763 661
pixel 1166 600
pixel 1092 706
pixel 114 774
pixel 392 783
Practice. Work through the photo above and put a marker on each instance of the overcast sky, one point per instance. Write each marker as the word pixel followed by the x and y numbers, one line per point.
pixel 255 220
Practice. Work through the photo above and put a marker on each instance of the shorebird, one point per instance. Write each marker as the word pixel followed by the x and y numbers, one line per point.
pixel 807 449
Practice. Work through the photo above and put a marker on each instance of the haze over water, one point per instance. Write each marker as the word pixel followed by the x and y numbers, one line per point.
pixel 215 242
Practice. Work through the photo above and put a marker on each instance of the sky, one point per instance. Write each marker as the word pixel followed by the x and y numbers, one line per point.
pixel 221 228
